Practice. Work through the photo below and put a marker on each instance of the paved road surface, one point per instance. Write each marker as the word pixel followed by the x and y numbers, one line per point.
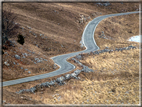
pixel 89 43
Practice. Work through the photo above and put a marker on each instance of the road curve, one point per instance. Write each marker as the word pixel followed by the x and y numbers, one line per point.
pixel 61 60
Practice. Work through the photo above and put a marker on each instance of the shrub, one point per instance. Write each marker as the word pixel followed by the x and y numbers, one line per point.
pixel 20 39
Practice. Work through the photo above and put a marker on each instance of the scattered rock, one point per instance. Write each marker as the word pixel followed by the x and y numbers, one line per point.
pixel 74 75
pixel 106 50
pixel 17 56
pixel 46 84
pixel 6 63
pixel 5 53
pixel 26 69
pixel 79 57
pixel 21 91
pixel 77 72
pixel 54 66
pixel 38 60
pixel 110 51
pixel 62 46
pixel 29 72
pixel 60 80
pixel 52 82
pixel 67 76
pixel 86 69
pixel 96 52
pixel 37 45
pixel 24 57
pixel 33 89
pixel 28 27
pixel 81 44
pixel 103 4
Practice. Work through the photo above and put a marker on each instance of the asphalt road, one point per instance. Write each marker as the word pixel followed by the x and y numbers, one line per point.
pixel 89 43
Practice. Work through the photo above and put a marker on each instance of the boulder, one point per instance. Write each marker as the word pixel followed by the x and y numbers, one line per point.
pixel 74 60
pixel 46 84
pixel 110 51
pixel 54 66
pixel 5 53
pixel 26 69
pixel 101 51
pixel 6 63
pixel 28 27
pixel 79 57
pixel 17 56
pixel 21 91
pixel 74 75
pixel 121 49
pixel 77 72
pixel 33 89
pixel 52 83
pixel 128 48
pixel 25 54
pixel 67 76
pixel 80 63
pixel 27 90
pixel 24 57
pixel 134 47
pixel 99 4
pixel 86 69
pixel 106 4
pixel 38 60
pixel 106 50
pixel 62 46
pixel 60 79
pixel 116 49
pixel 96 52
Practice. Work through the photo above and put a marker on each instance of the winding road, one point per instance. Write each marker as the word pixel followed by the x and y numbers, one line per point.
pixel 61 60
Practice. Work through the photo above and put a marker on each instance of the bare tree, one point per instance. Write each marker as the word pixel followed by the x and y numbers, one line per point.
pixel 9 26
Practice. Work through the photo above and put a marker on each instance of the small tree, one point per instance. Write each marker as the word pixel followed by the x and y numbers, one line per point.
pixel 8 25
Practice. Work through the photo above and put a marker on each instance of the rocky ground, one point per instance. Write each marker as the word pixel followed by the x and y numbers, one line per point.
pixel 52 29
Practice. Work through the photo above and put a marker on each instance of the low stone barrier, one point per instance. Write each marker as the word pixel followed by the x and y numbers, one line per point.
pixel 116 49
pixel 61 80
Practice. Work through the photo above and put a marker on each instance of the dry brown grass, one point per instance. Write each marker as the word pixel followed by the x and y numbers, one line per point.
pixel 118 29
pixel 12 98
pixel 14 71
pixel 44 20
pixel 113 85
pixel 108 63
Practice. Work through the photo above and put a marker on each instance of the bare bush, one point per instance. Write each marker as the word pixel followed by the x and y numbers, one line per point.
pixel 9 26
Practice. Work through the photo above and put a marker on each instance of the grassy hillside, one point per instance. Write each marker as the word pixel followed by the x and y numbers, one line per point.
pixel 52 29
pixel 115 81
